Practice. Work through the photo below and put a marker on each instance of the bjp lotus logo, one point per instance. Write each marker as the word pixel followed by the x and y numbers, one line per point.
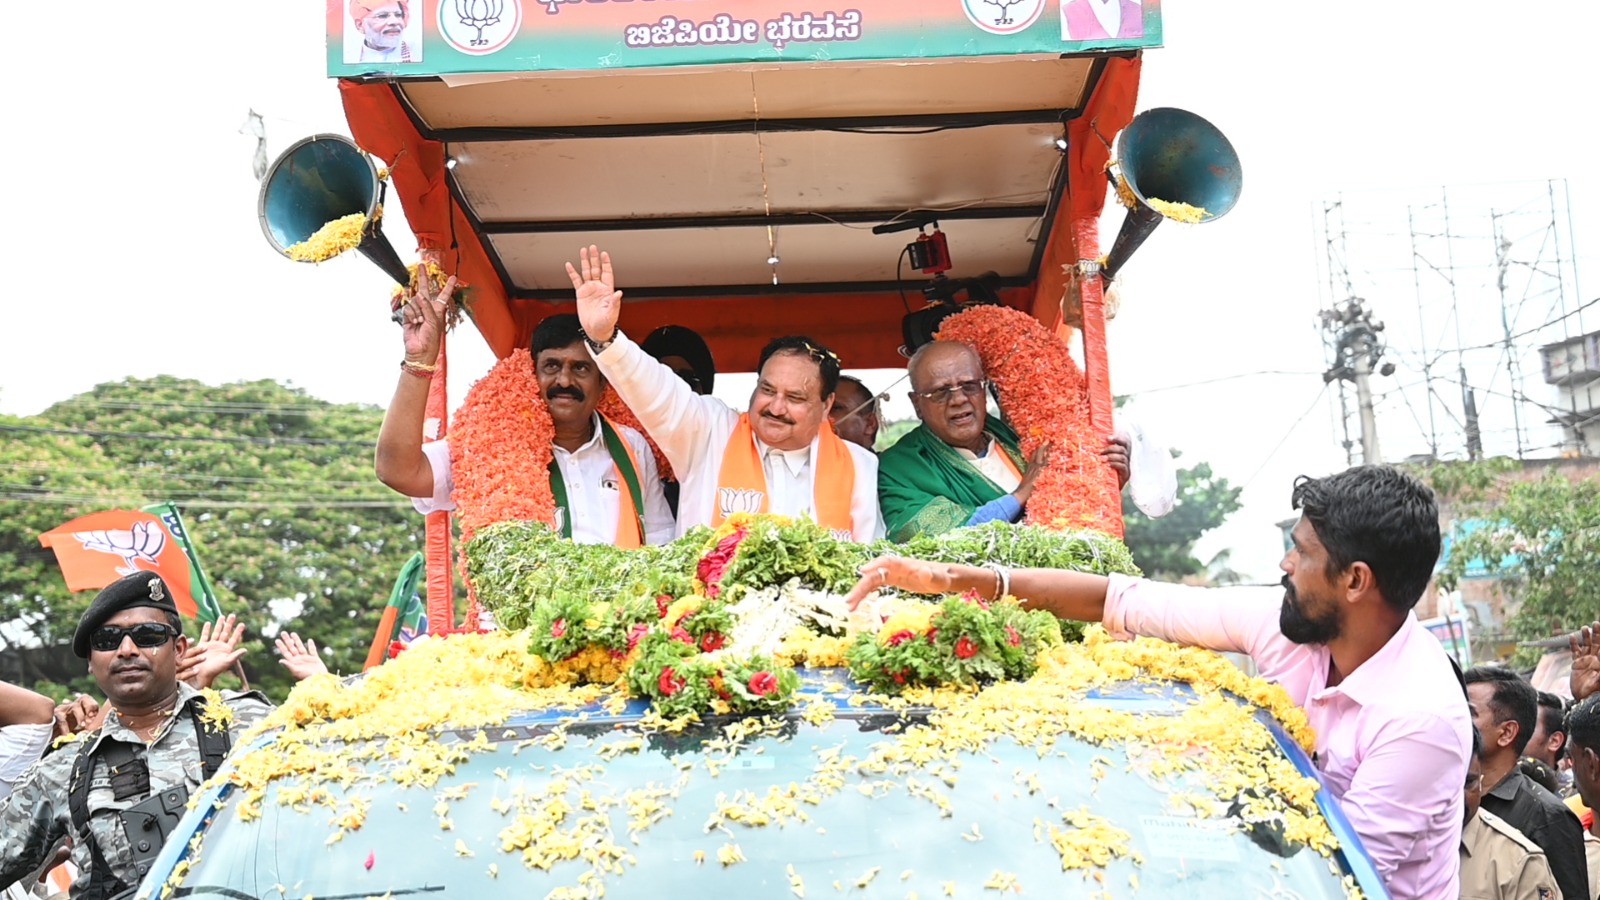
pixel 479 27
pixel 143 542
pixel 739 500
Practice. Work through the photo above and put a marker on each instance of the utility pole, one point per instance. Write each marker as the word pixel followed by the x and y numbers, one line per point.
pixel 1357 349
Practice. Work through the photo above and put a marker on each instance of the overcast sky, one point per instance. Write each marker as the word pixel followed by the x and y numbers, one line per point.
pixel 135 249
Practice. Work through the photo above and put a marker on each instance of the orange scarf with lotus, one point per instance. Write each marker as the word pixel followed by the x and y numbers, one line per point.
pixel 742 482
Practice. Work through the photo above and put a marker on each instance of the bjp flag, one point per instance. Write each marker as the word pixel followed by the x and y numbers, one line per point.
pixel 99 548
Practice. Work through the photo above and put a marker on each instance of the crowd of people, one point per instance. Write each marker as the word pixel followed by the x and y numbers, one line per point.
pixel 1466 784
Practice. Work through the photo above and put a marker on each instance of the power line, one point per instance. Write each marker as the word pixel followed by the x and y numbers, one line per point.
pixel 1281 441
pixel 1218 380
pixel 212 439
pixel 155 473
pixel 219 407
pixel 200 503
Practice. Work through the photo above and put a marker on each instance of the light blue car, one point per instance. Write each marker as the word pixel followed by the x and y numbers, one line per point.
pixel 614 810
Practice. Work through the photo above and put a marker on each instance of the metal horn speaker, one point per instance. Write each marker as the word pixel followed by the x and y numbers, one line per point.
pixel 1175 156
pixel 317 180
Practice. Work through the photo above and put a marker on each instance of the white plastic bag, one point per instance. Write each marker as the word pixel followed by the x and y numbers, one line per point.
pixel 1152 474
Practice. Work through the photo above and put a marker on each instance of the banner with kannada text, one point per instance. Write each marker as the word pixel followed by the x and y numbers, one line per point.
pixel 407 38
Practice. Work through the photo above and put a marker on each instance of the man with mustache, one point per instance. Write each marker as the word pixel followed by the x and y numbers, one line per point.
pixel 381 24
pixel 1393 730
pixel 603 475
pixel 779 456
pixel 961 466
pixel 118 793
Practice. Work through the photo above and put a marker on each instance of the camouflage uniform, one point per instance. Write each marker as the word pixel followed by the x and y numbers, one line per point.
pixel 37 817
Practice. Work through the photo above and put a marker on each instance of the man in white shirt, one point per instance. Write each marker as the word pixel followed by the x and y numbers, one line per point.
pixel 779 456
pixel 603 476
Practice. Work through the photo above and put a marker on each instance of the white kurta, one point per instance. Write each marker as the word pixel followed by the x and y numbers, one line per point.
pixel 693 431
pixel 992 464
pixel 593 489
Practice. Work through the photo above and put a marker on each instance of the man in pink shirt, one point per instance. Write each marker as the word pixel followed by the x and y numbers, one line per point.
pixel 1394 733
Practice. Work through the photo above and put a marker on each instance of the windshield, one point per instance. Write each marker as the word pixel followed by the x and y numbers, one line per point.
pixel 806 809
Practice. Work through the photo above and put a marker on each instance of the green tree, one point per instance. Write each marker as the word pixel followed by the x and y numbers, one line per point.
pixel 1164 547
pixel 1541 536
pixel 276 488
pixel 894 431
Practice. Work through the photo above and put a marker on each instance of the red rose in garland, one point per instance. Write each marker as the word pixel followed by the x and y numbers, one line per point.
pixel 670 682
pixel 965 648
pixel 1045 398
pixel 763 683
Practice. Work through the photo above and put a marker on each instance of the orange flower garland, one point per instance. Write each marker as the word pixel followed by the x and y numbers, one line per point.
pixel 1044 397
pixel 500 449
pixel 612 407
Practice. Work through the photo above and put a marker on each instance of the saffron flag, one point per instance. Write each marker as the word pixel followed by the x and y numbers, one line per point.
pixel 405 618
pixel 99 548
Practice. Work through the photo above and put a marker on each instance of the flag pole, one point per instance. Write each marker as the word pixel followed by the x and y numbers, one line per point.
pixel 206 603
pixel 405 585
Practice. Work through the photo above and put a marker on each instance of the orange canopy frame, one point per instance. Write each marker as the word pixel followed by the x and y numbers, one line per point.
pixel 470 227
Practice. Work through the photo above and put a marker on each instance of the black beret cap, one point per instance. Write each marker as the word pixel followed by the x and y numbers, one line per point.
pixel 676 340
pixel 127 592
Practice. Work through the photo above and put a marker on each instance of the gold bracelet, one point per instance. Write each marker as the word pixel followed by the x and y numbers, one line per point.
pixel 416 370
pixel 422 366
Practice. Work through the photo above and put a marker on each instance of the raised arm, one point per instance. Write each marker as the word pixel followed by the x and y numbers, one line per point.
pixel 675 416
pixel 399 461
pixel 1585 646
pixel 213 653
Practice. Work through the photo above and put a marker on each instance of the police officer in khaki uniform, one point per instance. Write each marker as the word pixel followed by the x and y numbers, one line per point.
pixel 119 791
pixel 1497 862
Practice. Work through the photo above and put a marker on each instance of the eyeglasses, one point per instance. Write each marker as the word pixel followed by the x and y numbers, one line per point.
pixel 972 390
pixel 1475 782
pixel 146 634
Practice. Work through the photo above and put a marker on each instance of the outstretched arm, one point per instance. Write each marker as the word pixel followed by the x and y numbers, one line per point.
pixel 1067 595
pixel 399 460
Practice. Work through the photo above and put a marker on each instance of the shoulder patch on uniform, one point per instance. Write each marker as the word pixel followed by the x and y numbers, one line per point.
pixel 1502 827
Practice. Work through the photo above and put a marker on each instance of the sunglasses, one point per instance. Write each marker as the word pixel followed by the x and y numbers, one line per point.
pixel 820 354
pixel 146 634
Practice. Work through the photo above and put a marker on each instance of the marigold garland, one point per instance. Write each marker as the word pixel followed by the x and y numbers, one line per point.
pixel 500 446
pixel 500 449
pixel 612 407
pixel 1045 398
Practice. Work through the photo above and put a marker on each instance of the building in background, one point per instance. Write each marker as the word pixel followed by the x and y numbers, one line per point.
pixel 1573 366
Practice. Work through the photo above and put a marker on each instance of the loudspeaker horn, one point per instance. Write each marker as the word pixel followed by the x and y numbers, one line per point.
pixel 1171 156
pixel 320 179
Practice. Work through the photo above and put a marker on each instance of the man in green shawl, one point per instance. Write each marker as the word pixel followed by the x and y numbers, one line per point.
pixel 961 466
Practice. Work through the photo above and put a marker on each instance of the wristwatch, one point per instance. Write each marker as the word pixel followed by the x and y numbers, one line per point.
pixel 599 348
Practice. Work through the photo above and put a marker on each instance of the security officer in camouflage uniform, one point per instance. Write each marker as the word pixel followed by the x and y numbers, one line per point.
pixel 118 791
